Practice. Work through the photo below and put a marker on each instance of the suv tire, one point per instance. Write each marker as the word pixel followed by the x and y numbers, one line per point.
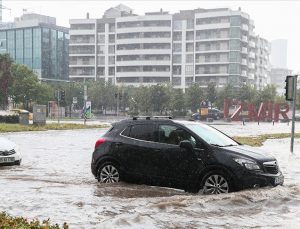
pixel 216 182
pixel 108 172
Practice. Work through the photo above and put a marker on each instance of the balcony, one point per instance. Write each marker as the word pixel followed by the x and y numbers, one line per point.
pixel 244 38
pixel 252 55
pixel 244 73
pixel 244 61
pixel 245 27
pixel 82 32
pixel 244 50
pixel 213 26
pixel 143 62
pixel 144 74
pixel 252 44
pixel 143 29
pixel 143 40
pixel 251 65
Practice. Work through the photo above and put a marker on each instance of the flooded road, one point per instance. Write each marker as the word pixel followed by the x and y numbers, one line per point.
pixel 55 181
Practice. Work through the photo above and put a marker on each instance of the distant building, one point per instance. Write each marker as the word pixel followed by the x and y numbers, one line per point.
pixel 278 76
pixel 36 41
pixel 262 66
pixel 192 46
pixel 279 53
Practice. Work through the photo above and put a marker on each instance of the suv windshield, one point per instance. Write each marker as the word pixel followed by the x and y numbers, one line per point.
pixel 211 135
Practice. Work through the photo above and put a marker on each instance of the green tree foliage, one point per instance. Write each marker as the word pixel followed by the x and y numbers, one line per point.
pixel 6 79
pixel 28 88
pixel 159 97
pixel 194 96
pixel 177 104
pixel 211 92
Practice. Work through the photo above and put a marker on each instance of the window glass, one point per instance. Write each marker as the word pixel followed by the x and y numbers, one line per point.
pixel 174 135
pixel 211 135
pixel 142 132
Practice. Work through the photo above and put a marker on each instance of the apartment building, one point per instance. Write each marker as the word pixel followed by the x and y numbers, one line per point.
pixel 201 45
pixel 36 41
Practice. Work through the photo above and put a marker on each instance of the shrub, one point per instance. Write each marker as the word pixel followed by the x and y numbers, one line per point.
pixel 9 222
pixel 9 118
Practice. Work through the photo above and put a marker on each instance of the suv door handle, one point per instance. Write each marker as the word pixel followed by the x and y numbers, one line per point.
pixel 119 143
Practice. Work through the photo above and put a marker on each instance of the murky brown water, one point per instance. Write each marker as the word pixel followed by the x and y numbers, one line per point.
pixel 55 181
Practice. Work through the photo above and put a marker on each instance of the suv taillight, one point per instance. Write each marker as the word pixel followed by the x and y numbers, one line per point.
pixel 99 142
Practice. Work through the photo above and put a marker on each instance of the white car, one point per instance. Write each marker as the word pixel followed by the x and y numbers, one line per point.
pixel 9 152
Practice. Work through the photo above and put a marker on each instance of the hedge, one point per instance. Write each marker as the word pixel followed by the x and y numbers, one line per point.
pixel 9 118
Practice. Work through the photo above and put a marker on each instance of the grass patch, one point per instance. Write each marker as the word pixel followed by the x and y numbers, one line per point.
pixel 9 222
pixel 260 139
pixel 4 127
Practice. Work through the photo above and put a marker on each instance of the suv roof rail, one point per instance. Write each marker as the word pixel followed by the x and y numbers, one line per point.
pixel 148 117
pixel 141 117
pixel 166 117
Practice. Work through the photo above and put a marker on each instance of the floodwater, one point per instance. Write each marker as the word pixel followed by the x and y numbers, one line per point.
pixel 54 181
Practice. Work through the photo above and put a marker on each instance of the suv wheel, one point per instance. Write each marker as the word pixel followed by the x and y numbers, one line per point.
pixel 216 182
pixel 108 173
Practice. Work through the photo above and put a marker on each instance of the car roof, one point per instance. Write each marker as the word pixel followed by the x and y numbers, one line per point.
pixel 156 120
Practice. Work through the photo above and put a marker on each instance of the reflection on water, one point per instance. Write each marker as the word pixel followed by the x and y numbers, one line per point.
pixel 55 181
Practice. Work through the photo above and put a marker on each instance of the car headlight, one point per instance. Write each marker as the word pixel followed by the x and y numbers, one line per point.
pixel 248 164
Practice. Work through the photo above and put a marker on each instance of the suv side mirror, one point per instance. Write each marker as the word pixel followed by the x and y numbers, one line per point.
pixel 186 145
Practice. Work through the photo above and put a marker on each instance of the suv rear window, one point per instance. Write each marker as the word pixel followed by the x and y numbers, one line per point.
pixel 140 131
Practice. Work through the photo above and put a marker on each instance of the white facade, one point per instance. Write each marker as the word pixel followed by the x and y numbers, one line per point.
pixel 194 46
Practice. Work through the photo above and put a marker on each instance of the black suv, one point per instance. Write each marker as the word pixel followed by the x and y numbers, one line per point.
pixel 180 154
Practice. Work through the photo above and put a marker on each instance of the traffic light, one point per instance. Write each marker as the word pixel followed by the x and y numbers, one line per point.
pixel 289 88
pixel 62 95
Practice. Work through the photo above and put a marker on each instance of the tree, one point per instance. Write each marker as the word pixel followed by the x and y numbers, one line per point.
pixel 26 87
pixel 177 105
pixel 268 93
pixel 194 96
pixel 211 92
pixel 6 78
pixel 160 98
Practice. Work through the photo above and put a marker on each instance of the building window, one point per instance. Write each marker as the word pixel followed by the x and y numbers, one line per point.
pixel 235 21
pixel 189 70
pixel 177 36
pixel 189 35
pixel 235 45
pixel 234 57
pixel 111 60
pixel 177 47
pixel 189 58
pixel 101 38
pixel 190 24
pixel 101 60
pixel 234 69
pixel 189 47
pixel 101 49
pixel 177 59
pixel 111 49
pixel 177 24
pixel 235 32
pixel 101 28
pixel 111 71
pixel 176 70
pixel 112 38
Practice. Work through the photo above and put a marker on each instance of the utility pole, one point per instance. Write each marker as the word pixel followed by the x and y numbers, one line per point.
pixel 58 107
pixel 84 106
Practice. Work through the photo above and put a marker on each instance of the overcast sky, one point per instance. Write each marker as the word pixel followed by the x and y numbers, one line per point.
pixel 272 19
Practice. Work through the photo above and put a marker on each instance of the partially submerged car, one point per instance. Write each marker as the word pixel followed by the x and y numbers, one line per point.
pixel 9 152
pixel 181 154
